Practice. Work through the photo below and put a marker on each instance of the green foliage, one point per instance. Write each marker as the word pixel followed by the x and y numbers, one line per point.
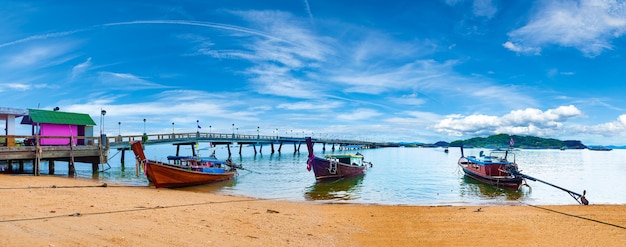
pixel 502 140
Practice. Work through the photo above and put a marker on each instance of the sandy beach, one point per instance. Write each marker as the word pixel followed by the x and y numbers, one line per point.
pixel 61 211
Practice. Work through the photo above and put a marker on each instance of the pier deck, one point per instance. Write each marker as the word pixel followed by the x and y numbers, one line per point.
pixel 32 153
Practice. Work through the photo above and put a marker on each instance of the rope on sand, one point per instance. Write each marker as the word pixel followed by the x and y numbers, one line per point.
pixel 576 216
pixel 129 210
pixel 103 185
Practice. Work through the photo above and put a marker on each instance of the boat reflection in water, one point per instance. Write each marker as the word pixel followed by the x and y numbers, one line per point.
pixel 474 189
pixel 214 187
pixel 343 189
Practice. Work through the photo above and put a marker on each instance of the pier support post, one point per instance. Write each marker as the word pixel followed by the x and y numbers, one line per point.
pixel 324 146
pixel 71 170
pixel 299 143
pixel 21 166
pixel 94 167
pixel 123 156
pixel 228 147
pixel 294 148
pixel 253 146
pixel 240 146
pixel 272 145
pixel 333 147
pixel 51 167
pixel 280 146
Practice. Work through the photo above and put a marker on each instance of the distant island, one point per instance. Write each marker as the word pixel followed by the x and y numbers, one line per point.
pixel 502 141
pixel 526 142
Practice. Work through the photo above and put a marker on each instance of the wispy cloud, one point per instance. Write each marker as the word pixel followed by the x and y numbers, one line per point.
pixel 5 87
pixel 311 105
pixel 307 7
pixel 42 37
pixel 235 28
pixel 81 68
pixel 359 114
pixel 586 25
pixel 127 81
pixel 36 56
pixel 412 99
pixel 484 8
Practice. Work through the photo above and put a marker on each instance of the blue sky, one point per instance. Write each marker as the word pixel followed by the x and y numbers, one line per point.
pixel 373 70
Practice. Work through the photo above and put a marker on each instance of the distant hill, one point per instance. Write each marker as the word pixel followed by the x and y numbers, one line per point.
pixel 502 140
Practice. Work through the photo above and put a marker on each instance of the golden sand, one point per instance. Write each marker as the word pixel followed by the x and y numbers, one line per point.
pixel 60 211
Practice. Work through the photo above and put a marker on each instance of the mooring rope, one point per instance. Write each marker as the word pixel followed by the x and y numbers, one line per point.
pixel 119 151
pixel 576 216
pixel 77 214
pixel 103 185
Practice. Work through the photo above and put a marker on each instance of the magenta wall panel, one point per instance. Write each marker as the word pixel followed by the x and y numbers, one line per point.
pixel 57 130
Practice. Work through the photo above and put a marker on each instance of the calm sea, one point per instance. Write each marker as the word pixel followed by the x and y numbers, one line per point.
pixel 410 176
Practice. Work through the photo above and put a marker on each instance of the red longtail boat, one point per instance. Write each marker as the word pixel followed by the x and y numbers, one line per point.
pixel 494 169
pixel 184 172
pixel 335 166
pixel 498 169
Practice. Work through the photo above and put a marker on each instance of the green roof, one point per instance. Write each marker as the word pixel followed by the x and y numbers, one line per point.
pixel 57 117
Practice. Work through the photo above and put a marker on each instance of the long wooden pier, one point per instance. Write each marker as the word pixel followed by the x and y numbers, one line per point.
pixel 95 150
pixel 238 139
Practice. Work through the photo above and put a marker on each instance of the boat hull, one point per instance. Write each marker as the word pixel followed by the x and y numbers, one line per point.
pixel 171 176
pixel 325 169
pixel 168 176
pixel 490 173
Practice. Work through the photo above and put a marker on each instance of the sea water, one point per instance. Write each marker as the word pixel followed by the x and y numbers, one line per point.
pixel 399 176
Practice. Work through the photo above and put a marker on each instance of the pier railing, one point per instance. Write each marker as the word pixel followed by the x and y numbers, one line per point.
pixel 120 140
pixel 34 140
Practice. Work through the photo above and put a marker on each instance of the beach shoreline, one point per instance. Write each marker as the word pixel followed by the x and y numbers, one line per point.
pixel 62 211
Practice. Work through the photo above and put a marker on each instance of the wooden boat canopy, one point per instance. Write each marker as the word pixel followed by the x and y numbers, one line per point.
pixel 355 159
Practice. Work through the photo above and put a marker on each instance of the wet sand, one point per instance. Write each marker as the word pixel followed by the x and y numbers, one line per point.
pixel 61 211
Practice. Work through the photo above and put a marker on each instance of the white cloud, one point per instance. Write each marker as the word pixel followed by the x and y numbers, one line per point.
pixel 613 129
pixel 587 25
pixel 528 122
pixel 521 49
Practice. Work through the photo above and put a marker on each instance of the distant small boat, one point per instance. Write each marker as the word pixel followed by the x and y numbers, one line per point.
pixel 599 148
pixel 335 166
pixel 494 169
pixel 186 170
